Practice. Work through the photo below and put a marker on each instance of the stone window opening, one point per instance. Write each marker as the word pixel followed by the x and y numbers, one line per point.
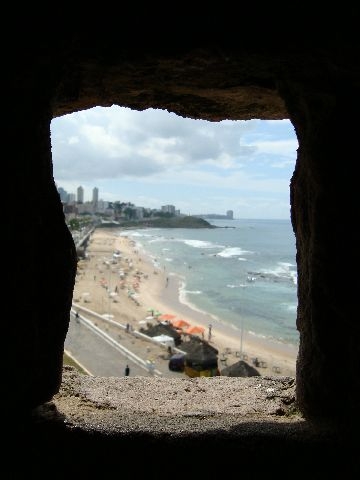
pixel 268 366
pixel 316 88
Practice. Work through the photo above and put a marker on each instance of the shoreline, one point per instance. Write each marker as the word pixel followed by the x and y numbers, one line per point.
pixel 131 284
pixel 224 337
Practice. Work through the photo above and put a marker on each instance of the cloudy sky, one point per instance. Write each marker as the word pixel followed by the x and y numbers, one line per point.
pixel 154 158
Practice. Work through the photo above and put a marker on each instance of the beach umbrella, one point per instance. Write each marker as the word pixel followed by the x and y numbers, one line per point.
pixel 166 316
pixel 180 323
pixel 195 329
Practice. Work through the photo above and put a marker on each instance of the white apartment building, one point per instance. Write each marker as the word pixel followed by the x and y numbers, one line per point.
pixel 168 209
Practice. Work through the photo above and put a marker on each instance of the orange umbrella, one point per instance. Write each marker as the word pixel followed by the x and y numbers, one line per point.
pixel 195 329
pixel 180 323
pixel 166 316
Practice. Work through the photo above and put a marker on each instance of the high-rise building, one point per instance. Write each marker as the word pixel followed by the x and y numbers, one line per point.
pixel 230 214
pixel 80 195
pixel 168 209
pixel 64 196
pixel 95 196
pixel 71 198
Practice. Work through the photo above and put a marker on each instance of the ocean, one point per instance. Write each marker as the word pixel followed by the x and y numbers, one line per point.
pixel 243 274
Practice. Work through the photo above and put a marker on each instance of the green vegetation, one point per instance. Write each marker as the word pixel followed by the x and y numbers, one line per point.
pixel 169 222
pixel 76 224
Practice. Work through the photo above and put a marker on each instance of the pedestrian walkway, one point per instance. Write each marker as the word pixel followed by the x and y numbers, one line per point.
pixel 152 358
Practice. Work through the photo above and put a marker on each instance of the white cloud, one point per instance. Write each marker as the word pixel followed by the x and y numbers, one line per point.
pixel 153 158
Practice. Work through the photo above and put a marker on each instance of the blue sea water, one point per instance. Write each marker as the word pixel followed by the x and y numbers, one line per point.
pixel 244 275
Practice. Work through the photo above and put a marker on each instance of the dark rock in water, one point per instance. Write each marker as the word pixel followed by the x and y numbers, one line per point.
pixel 240 369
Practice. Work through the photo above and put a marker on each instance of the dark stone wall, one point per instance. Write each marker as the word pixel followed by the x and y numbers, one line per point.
pixel 210 66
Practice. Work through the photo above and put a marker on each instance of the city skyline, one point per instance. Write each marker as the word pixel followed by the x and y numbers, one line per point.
pixel 71 197
pixel 154 158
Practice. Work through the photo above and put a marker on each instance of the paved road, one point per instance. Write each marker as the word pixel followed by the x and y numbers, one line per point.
pixel 105 350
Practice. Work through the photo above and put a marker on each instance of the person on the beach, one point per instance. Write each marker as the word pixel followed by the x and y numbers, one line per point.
pixel 151 367
pixel 77 316
pixel 209 334
pixel 127 371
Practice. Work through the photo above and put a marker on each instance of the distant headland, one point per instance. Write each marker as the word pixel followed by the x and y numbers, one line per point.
pixel 215 216
pixel 187 221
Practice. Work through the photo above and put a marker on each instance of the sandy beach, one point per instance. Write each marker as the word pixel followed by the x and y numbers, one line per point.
pixel 117 280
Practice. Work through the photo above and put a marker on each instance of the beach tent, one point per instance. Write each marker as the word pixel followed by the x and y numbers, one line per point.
pixel 199 348
pixel 201 359
pixel 165 339
pixel 163 329
pixel 240 369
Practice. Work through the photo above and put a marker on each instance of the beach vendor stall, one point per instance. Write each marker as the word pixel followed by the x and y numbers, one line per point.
pixel 201 359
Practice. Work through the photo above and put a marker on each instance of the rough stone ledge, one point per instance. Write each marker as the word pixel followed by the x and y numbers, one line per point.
pixel 174 406
pixel 175 425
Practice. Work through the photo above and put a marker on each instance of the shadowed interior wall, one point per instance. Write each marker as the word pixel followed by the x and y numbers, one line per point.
pixel 311 79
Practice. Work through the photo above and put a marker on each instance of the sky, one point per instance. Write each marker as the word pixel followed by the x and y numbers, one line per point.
pixel 154 158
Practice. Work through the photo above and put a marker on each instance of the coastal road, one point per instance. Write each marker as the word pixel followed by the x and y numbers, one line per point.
pixel 101 354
